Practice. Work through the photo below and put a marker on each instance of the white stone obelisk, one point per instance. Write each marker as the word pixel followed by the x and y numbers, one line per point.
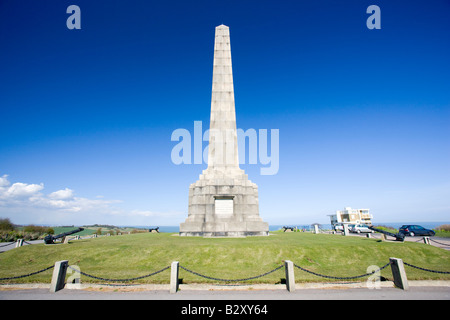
pixel 223 153
pixel 223 202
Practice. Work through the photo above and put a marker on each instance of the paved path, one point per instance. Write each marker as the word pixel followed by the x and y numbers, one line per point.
pixel 414 293
pixel 439 242
pixel 5 246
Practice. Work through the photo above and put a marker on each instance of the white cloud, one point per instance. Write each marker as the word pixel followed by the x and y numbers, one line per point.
pixel 28 203
pixel 20 190
pixel 29 195
pixel 65 194
pixel 4 181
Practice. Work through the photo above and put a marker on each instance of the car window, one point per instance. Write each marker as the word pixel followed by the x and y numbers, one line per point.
pixel 420 228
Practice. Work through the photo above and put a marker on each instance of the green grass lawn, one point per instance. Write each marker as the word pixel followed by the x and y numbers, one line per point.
pixel 135 255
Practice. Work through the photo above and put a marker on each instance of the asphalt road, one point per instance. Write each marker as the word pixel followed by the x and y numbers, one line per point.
pixel 414 293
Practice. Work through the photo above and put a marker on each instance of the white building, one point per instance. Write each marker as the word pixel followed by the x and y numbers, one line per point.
pixel 351 216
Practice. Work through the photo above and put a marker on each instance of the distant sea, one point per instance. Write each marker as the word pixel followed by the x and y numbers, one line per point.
pixel 396 225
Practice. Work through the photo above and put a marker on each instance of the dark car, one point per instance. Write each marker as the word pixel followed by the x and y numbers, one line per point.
pixel 415 230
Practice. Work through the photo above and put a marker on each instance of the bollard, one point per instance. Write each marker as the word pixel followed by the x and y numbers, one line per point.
pixel 368 235
pixel 345 230
pixel 426 240
pixel 316 229
pixel 290 277
pixel 398 273
pixel 19 243
pixel 174 276
pixel 59 275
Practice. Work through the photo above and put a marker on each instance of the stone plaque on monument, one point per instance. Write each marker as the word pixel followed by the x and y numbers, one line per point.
pixel 223 207
pixel 223 202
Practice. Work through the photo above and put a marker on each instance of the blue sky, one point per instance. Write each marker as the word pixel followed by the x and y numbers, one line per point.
pixel 87 115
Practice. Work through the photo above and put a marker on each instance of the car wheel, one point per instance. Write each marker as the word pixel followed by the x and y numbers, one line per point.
pixel 411 234
pixel 358 231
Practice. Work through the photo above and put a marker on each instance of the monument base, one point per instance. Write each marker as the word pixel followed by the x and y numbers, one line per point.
pixel 223 206
pixel 228 234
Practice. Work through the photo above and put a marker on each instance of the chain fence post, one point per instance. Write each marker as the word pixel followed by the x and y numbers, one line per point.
pixel 426 240
pixel 316 229
pixel 345 233
pixel 398 273
pixel 290 277
pixel 19 243
pixel 174 269
pixel 59 275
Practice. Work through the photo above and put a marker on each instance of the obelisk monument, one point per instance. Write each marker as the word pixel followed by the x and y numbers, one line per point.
pixel 223 202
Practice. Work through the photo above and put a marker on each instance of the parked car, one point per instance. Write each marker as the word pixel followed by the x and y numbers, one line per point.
pixel 339 227
pixel 415 230
pixel 358 228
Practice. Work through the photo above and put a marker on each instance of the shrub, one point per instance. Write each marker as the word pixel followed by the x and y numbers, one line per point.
pixel 387 228
pixel 6 225
pixel 9 236
pixel 443 227
pixel 38 229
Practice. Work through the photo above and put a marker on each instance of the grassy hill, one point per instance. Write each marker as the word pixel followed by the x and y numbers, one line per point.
pixel 85 232
pixel 135 255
